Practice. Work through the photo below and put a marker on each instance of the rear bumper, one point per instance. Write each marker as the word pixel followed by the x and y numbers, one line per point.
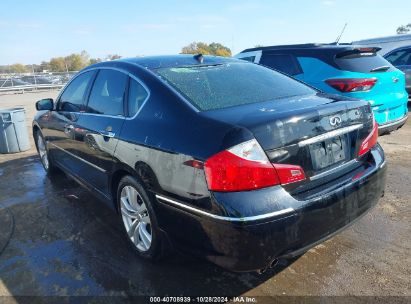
pixel 390 115
pixel 392 126
pixel 252 241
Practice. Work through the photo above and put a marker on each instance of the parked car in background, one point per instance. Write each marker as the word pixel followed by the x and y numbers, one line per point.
pixel 348 70
pixel 397 50
pixel 12 82
pixel 386 44
pixel 226 159
pixel 36 79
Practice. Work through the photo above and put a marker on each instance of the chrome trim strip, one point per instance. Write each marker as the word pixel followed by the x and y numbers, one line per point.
pixel 390 124
pixel 225 218
pixel 328 172
pixel 329 135
pixel 77 157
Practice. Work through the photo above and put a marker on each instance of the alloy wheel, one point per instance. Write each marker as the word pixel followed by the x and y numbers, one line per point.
pixel 42 152
pixel 136 218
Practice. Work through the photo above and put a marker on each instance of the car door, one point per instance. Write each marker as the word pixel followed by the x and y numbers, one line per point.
pixel 101 125
pixel 60 129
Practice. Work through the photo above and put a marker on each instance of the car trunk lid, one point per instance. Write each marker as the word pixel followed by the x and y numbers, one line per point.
pixel 317 132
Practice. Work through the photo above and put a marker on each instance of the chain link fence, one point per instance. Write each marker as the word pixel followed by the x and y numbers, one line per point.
pixel 32 82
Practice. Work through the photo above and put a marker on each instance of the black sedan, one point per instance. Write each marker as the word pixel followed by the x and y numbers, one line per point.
pixel 219 157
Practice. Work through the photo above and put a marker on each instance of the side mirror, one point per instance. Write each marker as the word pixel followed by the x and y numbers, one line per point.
pixel 45 104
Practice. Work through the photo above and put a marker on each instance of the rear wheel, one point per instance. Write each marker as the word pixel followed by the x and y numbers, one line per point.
pixel 44 155
pixel 138 218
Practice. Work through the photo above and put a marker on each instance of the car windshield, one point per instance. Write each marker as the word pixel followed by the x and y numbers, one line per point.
pixel 219 86
pixel 364 63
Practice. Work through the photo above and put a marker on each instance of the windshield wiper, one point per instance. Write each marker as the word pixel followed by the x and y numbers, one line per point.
pixel 381 68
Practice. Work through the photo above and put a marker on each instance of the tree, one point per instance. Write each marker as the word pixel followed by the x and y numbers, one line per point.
pixel 213 48
pixel 75 62
pixel 95 60
pixel 58 64
pixel 404 29
pixel 18 68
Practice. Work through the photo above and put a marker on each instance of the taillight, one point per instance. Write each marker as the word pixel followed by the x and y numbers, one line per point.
pixel 246 167
pixel 352 84
pixel 370 141
pixel 289 173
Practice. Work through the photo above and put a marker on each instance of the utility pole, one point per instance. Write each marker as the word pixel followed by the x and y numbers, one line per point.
pixel 34 75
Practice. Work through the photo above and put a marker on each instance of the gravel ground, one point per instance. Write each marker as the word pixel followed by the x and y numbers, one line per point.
pixel 56 239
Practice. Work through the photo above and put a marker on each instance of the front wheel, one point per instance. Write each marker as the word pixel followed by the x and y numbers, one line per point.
pixel 138 218
pixel 44 155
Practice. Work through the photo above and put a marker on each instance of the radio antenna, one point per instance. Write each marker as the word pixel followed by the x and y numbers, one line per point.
pixel 342 32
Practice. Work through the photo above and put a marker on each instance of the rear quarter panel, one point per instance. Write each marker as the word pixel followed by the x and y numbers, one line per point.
pixel 165 134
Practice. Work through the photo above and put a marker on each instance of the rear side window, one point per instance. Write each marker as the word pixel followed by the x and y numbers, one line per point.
pixel 219 86
pixel 400 57
pixel 107 94
pixel 73 96
pixel 285 63
pixel 137 95
pixel 363 63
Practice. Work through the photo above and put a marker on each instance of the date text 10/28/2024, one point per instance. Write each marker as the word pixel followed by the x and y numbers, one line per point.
pixel 183 299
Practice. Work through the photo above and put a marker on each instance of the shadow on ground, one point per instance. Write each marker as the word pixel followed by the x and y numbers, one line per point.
pixel 57 239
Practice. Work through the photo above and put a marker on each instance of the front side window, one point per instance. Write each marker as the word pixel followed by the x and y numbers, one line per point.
pixel 219 86
pixel 107 94
pixel 72 99
pixel 137 94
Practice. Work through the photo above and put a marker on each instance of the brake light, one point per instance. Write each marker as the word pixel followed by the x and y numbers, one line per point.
pixel 370 141
pixel 246 167
pixel 352 84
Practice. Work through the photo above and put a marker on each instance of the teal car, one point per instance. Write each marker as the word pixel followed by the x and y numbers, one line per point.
pixel 352 71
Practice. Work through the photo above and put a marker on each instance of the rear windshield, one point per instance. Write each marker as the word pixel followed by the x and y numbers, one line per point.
pixel 210 87
pixel 364 63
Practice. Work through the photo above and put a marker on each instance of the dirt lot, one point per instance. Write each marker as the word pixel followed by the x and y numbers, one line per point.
pixel 56 239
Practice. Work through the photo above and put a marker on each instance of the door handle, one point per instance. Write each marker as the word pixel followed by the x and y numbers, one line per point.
pixel 107 134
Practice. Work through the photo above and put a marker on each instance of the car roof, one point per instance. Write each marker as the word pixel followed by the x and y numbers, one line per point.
pixel 386 39
pixel 168 61
pixel 332 47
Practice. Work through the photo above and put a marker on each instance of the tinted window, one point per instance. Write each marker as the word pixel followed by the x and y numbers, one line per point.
pixel 137 94
pixel 283 62
pixel 401 57
pixel 363 63
pixel 226 85
pixel 249 58
pixel 107 94
pixel 72 98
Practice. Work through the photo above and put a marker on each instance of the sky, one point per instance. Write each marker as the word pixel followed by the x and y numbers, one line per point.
pixel 35 31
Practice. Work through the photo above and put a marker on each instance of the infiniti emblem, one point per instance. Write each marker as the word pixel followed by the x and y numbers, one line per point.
pixel 335 121
pixel 395 79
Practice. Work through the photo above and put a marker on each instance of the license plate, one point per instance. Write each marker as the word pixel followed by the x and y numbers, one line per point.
pixel 329 152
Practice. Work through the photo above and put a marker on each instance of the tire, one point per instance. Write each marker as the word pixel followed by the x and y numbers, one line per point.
pixel 138 220
pixel 44 154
